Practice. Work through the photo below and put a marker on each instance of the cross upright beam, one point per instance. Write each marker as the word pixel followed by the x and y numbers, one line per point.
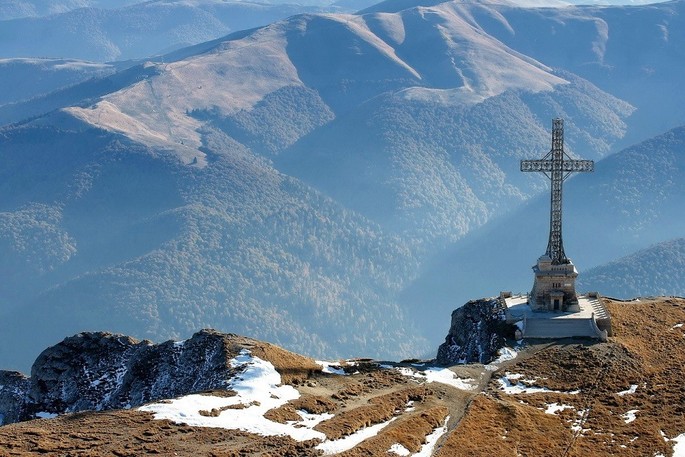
pixel 557 166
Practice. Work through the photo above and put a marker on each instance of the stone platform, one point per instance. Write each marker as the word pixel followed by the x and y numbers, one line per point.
pixel 592 321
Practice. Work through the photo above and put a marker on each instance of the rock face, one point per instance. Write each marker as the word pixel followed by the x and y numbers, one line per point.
pixel 13 389
pixel 102 371
pixel 478 330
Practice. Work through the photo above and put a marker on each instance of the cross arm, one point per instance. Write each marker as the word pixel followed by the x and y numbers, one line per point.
pixel 566 165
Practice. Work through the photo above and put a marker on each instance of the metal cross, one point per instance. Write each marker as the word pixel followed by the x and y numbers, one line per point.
pixel 557 166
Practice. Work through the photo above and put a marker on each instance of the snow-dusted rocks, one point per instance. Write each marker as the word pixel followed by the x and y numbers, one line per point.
pixel 102 371
pixel 13 389
pixel 477 333
pixel 258 389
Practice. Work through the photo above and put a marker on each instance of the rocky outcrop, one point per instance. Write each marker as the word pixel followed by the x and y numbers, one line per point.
pixel 14 387
pixel 102 371
pixel 478 330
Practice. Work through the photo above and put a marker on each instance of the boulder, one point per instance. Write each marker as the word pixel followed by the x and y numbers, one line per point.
pixel 478 330
pixel 14 388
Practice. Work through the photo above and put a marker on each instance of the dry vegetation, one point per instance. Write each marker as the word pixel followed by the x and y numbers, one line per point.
pixel 368 397
pixel 648 350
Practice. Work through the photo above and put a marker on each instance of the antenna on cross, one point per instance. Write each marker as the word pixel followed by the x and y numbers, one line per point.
pixel 557 166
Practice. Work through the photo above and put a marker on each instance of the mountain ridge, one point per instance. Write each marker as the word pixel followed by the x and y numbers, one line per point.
pixel 586 397
pixel 277 186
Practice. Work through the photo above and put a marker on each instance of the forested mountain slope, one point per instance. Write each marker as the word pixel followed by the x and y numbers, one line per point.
pixel 632 201
pixel 290 182
pixel 656 270
pixel 135 31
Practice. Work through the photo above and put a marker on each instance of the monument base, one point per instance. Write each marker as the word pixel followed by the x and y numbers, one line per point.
pixel 592 319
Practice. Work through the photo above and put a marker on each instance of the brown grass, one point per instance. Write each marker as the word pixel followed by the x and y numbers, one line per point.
pixel 410 431
pixel 646 350
pixel 379 409
pixel 293 368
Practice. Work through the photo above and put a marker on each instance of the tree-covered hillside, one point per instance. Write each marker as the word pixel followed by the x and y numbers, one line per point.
pixel 632 200
pixel 107 234
pixel 335 183
pixel 656 270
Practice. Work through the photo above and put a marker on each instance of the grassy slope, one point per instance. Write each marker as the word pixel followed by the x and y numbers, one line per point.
pixel 646 350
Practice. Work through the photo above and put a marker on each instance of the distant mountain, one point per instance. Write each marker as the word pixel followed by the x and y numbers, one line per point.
pixel 16 9
pixel 656 270
pixel 293 181
pixel 635 53
pixel 134 32
pixel 31 78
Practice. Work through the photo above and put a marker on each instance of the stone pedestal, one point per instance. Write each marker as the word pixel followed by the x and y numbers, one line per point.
pixel 554 288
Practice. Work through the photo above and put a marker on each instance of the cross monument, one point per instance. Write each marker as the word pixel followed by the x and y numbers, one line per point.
pixel 555 275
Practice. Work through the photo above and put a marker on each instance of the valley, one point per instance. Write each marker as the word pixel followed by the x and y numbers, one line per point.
pixel 333 182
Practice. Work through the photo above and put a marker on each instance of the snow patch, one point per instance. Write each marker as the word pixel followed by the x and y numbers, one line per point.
pixel 576 427
pixel 258 390
pixel 630 416
pixel 630 391
pixel 679 446
pixel 505 353
pixel 45 415
pixel 441 375
pixel 331 368
pixel 350 441
pixel 431 440
pixel 525 387
pixel 310 420
pixel 677 326
pixel 399 450
pixel 553 408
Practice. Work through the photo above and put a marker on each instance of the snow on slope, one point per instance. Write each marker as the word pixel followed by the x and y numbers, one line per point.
pixel 258 390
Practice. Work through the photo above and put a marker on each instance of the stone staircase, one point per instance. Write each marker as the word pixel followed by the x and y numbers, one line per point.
pixel 599 309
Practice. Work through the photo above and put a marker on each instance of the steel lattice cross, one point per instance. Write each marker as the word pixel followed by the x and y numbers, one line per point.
pixel 557 166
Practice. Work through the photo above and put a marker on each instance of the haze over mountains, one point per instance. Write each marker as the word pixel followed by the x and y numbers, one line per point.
pixel 336 183
pixel 632 201
pixel 658 269
pixel 30 78
pixel 16 9
pixel 136 31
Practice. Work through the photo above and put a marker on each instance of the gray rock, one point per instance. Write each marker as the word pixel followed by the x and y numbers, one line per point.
pixel 102 371
pixel 14 388
pixel 478 330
